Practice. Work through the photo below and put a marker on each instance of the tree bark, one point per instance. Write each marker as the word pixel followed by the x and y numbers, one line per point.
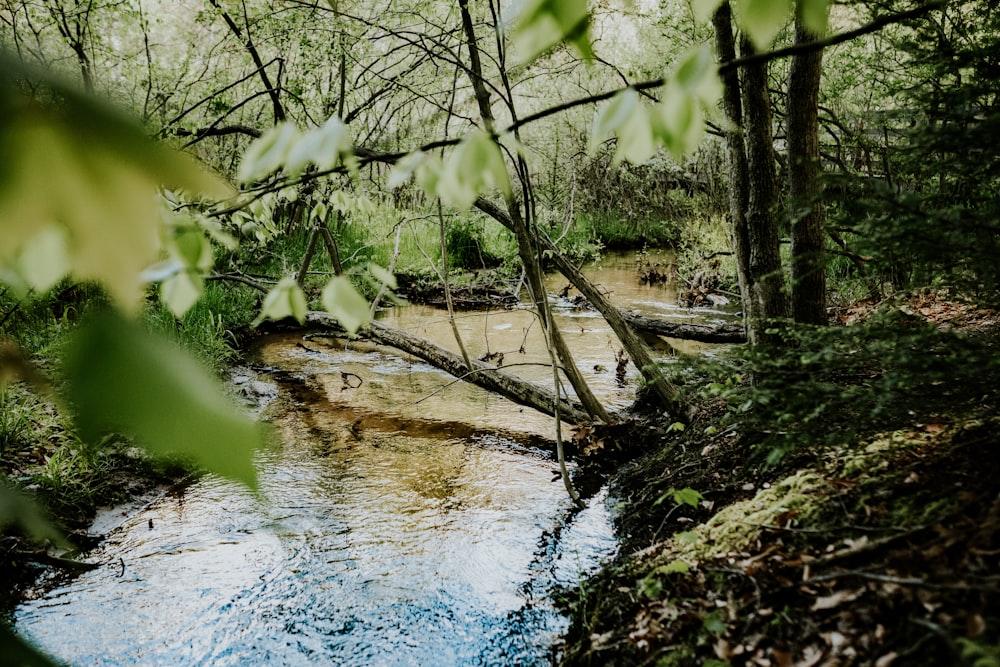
pixel 768 300
pixel 736 156
pixel 732 334
pixel 807 211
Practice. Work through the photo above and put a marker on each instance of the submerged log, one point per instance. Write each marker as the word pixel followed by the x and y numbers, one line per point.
pixel 517 390
pixel 726 333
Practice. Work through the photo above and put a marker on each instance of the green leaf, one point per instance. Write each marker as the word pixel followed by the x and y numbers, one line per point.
pixel 324 146
pixel 18 652
pixel 286 299
pixel 698 75
pixel 345 304
pixel 714 624
pixel 318 212
pixel 688 496
pixel 17 509
pixel 192 248
pixel 679 121
pixel 404 169
pixel 674 567
pixel 269 152
pixel 122 379
pixel 612 116
pixel 474 166
pixel 625 116
pixel 428 174
pixel 44 258
pixel 82 171
pixel 815 15
pixel 763 19
pixel 181 291
pixel 538 25
pixel 382 275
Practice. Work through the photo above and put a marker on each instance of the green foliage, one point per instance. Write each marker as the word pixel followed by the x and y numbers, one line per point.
pixel 467 249
pixel 538 25
pixel 684 496
pixel 286 299
pixel 651 586
pixel 823 386
pixel 474 166
pixel 676 123
pixel 931 216
pixel 79 190
pixel 121 379
pixel 213 329
pixel 979 653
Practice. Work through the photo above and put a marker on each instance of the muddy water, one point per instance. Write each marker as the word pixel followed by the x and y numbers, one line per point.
pixel 401 519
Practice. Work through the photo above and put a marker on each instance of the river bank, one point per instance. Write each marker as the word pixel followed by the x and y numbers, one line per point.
pixel 880 551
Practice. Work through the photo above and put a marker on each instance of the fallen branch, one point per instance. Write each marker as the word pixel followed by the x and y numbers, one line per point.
pixel 485 376
pixel 726 333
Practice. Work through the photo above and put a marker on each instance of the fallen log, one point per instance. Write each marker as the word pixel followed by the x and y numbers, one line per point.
pixel 482 375
pixel 726 333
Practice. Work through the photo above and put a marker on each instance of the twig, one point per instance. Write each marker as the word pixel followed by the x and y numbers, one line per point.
pixel 902 581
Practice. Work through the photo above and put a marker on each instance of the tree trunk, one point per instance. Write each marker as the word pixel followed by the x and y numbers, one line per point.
pixel 736 157
pixel 807 212
pixel 769 302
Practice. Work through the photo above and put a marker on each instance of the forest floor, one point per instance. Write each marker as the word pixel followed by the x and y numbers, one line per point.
pixel 882 552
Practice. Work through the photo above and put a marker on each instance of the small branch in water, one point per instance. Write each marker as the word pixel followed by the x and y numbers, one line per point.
pixel 345 377
pixel 55 561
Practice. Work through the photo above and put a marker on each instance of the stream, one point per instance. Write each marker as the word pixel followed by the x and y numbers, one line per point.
pixel 402 518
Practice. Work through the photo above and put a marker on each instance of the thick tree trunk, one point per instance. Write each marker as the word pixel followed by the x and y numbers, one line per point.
pixel 807 212
pixel 489 378
pixel 769 302
pixel 736 156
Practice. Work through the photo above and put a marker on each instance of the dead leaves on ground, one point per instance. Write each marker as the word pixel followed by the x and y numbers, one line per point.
pixel 854 594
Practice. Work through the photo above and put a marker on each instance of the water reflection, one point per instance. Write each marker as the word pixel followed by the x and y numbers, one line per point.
pixel 402 519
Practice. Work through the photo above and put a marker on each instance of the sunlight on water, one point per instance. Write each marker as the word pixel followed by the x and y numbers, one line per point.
pixel 402 518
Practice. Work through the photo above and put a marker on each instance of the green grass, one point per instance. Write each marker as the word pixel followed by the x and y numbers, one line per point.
pixel 616 233
pixel 703 245
pixel 214 328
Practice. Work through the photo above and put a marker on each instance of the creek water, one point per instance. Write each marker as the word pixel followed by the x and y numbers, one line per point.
pixel 401 519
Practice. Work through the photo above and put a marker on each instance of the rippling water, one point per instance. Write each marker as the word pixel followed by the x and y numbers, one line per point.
pixel 401 520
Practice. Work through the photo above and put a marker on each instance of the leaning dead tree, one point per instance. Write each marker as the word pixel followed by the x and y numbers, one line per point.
pixel 482 375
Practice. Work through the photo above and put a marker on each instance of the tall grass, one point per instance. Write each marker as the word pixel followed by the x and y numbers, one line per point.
pixel 214 328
